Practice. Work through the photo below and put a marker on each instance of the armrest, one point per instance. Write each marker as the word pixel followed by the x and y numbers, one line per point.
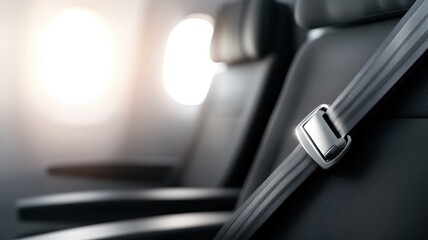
pixel 177 226
pixel 115 171
pixel 102 206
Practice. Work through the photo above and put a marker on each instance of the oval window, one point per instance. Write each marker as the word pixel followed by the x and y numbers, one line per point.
pixel 76 56
pixel 188 69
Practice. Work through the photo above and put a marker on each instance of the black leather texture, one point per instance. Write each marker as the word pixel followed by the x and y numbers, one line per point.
pixel 322 13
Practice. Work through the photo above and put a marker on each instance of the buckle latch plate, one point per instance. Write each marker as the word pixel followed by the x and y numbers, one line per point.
pixel 319 140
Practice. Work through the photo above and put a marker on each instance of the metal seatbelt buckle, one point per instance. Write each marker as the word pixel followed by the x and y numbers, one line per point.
pixel 319 140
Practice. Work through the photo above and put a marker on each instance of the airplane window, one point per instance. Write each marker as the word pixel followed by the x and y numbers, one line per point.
pixel 76 56
pixel 188 69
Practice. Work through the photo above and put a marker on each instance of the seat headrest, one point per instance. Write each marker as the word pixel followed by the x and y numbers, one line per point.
pixel 322 13
pixel 243 31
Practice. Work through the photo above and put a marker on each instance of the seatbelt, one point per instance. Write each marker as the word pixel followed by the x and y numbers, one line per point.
pixel 319 145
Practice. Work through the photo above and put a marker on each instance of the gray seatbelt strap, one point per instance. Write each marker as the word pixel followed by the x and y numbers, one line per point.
pixel 319 144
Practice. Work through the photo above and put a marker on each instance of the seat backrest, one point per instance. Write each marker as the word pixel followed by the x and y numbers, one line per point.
pixel 238 106
pixel 379 190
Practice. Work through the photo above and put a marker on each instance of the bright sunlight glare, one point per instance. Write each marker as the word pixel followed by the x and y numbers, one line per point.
pixel 188 69
pixel 76 56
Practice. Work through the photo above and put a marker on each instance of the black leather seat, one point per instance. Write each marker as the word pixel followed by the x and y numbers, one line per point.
pixel 254 39
pixel 379 190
